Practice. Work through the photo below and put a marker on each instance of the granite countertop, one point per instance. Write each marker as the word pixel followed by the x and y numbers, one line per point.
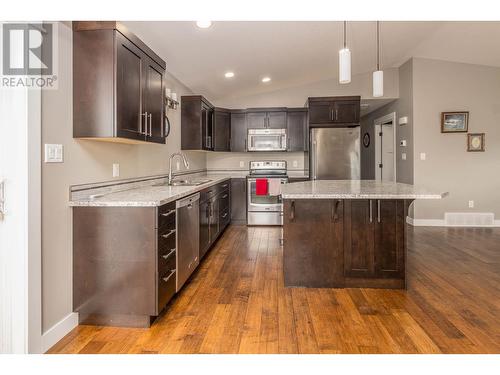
pixel 357 189
pixel 147 196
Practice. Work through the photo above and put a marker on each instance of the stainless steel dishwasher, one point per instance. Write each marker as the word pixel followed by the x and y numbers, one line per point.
pixel 188 237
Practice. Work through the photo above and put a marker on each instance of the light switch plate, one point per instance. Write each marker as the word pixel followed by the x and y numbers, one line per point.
pixel 423 156
pixel 295 163
pixel 403 120
pixel 403 143
pixel 242 164
pixel 403 156
pixel 471 204
pixel 53 153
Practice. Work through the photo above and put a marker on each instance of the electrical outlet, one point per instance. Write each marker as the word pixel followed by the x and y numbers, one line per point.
pixel 295 163
pixel 403 156
pixel 242 163
pixel 116 170
pixel 422 156
pixel 471 204
pixel 178 165
pixel 403 120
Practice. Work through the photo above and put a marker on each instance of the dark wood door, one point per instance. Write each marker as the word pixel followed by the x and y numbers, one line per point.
pixel 359 238
pixel 239 200
pixel 320 112
pixel 204 227
pixel 389 238
pixel 346 111
pixel 312 251
pixel 130 116
pixel 238 132
pixel 222 130
pixel 276 120
pixel 207 126
pixel 297 130
pixel 154 102
pixel 256 120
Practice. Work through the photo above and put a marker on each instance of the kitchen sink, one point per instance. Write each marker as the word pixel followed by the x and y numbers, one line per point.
pixel 191 182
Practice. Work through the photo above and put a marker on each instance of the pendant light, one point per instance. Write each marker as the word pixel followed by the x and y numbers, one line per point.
pixel 378 76
pixel 345 61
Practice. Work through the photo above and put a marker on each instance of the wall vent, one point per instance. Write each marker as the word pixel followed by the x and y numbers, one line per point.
pixel 469 219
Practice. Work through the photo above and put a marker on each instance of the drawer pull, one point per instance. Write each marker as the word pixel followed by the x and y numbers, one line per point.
pixel 166 256
pixel 168 213
pixel 169 276
pixel 224 196
pixel 225 185
pixel 168 234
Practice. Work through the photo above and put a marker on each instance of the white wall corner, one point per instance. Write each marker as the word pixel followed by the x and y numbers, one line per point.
pixel 58 331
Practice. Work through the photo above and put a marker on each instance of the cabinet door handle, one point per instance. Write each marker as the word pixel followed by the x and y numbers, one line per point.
pixel 224 216
pixel 371 210
pixel 331 114
pixel 150 117
pixel 224 196
pixel 166 214
pixel 292 211
pixel 168 234
pixel 169 276
pixel 378 210
pixel 335 208
pixel 336 114
pixel 245 144
pixel 166 256
pixel 145 115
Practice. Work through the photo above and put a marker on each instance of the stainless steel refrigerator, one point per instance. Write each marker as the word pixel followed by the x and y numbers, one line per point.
pixel 335 153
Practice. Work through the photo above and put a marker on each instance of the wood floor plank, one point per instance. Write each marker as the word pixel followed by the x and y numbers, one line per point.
pixel 236 302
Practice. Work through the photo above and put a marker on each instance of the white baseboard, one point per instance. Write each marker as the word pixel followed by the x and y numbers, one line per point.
pixel 441 223
pixel 58 331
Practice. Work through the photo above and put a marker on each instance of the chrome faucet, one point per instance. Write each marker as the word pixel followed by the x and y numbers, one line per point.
pixel 186 164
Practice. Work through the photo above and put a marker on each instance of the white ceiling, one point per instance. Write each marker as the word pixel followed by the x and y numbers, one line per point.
pixel 295 53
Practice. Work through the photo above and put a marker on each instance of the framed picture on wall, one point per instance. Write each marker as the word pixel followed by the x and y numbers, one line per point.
pixel 475 142
pixel 454 122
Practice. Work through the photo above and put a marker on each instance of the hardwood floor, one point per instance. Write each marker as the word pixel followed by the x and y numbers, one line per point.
pixel 236 303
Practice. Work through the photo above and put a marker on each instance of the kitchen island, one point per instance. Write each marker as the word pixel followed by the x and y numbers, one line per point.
pixel 347 233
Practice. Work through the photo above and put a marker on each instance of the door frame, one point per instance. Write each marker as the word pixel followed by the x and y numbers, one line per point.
pixel 390 117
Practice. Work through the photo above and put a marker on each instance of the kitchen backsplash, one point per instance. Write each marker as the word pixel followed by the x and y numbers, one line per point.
pixel 240 160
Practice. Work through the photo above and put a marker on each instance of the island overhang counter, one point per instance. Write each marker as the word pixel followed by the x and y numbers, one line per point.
pixel 347 233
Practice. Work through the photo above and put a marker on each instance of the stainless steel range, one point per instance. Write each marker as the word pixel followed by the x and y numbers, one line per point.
pixel 264 207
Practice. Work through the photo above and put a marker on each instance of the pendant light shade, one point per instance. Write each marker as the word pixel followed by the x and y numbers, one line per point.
pixel 345 61
pixel 378 84
pixel 378 76
pixel 344 65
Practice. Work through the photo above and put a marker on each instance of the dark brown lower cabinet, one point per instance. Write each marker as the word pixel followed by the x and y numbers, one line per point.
pixel 369 250
pixel 312 234
pixel 239 201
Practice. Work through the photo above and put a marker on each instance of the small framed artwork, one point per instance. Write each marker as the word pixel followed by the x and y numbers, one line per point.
pixel 454 122
pixel 475 142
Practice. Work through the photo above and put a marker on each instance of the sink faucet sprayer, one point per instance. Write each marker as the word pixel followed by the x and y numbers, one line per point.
pixel 186 164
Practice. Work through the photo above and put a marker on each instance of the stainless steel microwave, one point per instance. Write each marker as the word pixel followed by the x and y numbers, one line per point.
pixel 266 140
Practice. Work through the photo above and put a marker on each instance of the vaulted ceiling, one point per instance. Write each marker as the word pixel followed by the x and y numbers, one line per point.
pixel 294 53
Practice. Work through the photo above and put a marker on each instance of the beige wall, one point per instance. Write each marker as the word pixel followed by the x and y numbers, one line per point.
pixel 402 107
pixel 296 96
pixel 231 160
pixel 446 86
pixel 84 161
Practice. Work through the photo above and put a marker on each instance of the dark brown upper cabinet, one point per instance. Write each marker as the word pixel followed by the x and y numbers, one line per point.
pixel 197 123
pixel 222 129
pixel 238 131
pixel 334 111
pixel 270 118
pixel 297 129
pixel 118 92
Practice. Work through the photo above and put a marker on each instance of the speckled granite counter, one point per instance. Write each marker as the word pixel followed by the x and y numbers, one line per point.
pixel 357 189
pixel 145 196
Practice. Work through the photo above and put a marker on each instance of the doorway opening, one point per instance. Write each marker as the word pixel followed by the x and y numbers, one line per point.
pixel 385 148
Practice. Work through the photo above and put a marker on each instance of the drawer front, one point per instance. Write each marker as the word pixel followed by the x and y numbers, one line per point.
pixel 208 193
pixel 224 185
pixel 166 289
pixel 224 217
pixel 224 199
pixel 167 261
pixel 166 214
pixel 166 239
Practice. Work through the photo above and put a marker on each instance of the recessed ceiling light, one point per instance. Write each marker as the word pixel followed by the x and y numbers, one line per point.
pixel 229 75
pixel 203 24
pixel 266 79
